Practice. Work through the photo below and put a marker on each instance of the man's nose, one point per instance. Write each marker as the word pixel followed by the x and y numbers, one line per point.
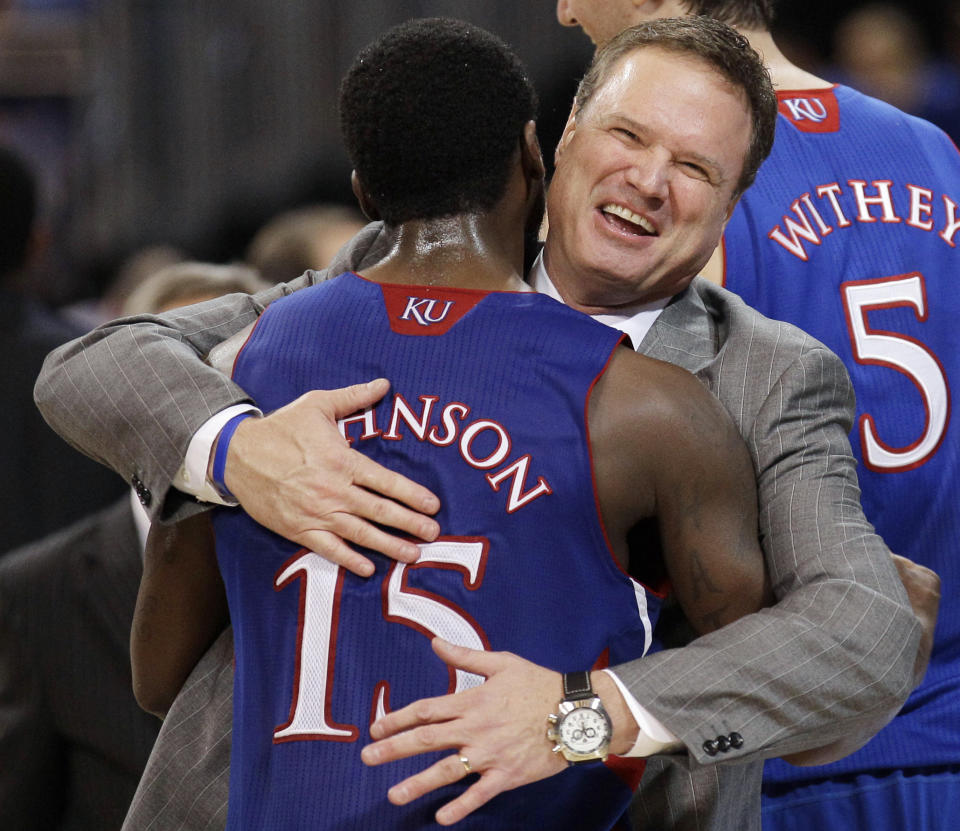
pixel 649 176
pixel 564 14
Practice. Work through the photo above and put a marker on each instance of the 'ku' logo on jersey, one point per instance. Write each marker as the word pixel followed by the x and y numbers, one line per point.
pixel 809 108
pixel 816 112
pixel 425 310
pixel 433 310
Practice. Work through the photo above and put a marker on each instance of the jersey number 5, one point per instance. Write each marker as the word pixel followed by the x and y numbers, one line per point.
pixel 428 613
pixel 904 354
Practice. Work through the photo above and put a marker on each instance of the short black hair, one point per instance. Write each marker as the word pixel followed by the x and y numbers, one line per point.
pixel 18 208
pixel 431 115
pixel 754 15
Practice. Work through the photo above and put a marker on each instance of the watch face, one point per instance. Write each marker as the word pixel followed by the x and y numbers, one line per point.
pixel 584 730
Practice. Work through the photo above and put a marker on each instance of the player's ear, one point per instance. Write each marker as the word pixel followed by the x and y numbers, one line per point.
pixel 363 198
pixel 531 157
pixel 534 177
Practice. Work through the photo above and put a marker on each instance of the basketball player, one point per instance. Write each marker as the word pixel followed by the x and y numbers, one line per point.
pixel 850 232
pixel 493 390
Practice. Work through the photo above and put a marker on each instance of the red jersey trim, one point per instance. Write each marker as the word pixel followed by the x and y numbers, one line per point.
pixel 811 110
pixel 427 310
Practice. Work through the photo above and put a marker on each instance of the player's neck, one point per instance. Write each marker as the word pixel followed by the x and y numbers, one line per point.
pixel 783 73
pixel 463 251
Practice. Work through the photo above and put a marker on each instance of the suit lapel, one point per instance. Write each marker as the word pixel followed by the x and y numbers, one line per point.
pixel 685 333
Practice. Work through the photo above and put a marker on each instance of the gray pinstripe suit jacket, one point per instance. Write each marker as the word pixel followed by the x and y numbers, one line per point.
pixel 835 652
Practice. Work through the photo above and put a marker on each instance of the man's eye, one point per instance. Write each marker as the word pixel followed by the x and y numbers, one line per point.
pixel 623 131
pixel 695 170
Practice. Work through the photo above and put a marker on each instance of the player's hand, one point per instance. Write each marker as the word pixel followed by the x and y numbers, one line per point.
pixel 499 726
pixel 923 591
pixel 294 473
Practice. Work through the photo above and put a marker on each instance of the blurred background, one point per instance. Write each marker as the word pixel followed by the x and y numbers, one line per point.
pixel 191 124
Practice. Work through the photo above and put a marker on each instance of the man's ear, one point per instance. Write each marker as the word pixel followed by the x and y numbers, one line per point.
pixel 531 157
pixel 730 209
pixel 363 198
pixel 569 129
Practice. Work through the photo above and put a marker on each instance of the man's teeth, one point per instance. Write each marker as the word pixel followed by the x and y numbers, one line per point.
pixel 629 216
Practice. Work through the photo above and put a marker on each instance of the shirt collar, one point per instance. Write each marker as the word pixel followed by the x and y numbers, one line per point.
pixel 634 321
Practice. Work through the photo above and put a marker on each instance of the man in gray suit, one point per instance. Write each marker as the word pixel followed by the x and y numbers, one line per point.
pixel 636 208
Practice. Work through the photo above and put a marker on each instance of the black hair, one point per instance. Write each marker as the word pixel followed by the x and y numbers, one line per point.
pixel 18 206
pixel 744 14
pixel 724 49
pixel 432 114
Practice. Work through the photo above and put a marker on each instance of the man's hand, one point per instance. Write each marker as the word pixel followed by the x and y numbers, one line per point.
pixel 499 726
pixel 293 472
pixel 923 591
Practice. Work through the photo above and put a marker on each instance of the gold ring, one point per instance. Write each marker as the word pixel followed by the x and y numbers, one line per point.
pixel 466 763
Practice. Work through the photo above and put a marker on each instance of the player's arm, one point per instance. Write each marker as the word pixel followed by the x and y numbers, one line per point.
pixel 660 433
pixel 181 609
pixel 707 514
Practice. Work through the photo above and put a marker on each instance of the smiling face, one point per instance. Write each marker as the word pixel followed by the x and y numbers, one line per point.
pixel 645 180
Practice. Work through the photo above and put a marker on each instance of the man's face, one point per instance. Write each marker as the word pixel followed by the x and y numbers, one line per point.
pixel 600 19
pixel 645 180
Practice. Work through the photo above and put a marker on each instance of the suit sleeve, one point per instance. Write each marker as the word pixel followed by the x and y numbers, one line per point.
pixel 132 393
pixel 836 651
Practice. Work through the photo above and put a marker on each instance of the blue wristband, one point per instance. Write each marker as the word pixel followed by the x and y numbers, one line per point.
pixel 220 457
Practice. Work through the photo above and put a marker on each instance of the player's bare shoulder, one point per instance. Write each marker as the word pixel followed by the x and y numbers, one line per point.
pixel 644 416
pixel 664 447
pixel 653 405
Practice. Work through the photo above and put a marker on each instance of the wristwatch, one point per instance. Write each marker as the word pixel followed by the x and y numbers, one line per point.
pixel 581 727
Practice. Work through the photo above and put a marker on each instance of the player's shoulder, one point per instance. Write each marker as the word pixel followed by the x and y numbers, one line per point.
pixel 841 115
pixel 862 112
pixel 550 309
pixel 636 386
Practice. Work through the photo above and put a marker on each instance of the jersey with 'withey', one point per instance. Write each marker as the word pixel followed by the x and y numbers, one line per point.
pixel 851 232
pixel 487 408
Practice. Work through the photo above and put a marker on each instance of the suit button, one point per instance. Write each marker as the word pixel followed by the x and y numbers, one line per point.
pixel 143 493
pixel 710 747
pixel 736 740
pixel 723 743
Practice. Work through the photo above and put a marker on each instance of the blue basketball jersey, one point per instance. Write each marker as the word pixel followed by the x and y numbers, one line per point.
pixel 487 408
pixel 851 232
